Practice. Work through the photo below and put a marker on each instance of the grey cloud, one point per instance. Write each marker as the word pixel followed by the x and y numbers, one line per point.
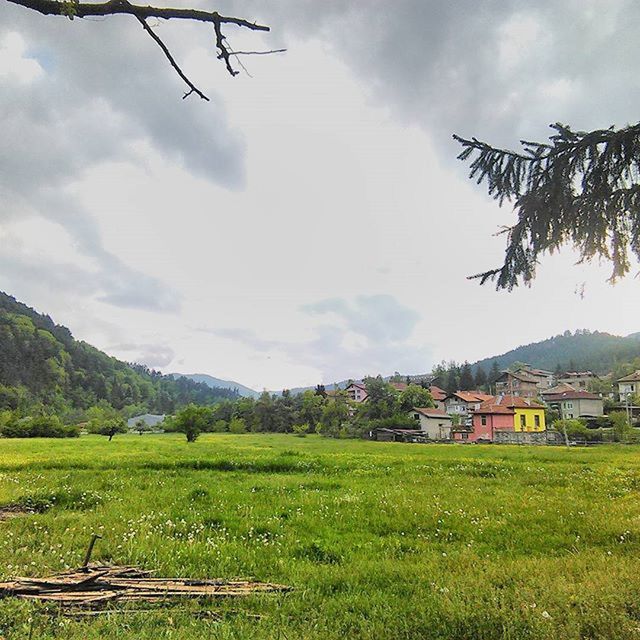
pixel 383 323
pixel 378 317
pixel 112 281
pixel 492 68
pixel 153 355
pixel 106 86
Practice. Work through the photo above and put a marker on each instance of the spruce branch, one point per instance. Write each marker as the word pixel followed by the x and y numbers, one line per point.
pixel 582 189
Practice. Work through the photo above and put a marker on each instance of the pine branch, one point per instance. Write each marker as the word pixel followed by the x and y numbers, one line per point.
pixel 582 190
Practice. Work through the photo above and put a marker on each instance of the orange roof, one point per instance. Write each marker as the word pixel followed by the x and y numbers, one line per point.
pixel 472 396
pixel 437 393
pixel 400 386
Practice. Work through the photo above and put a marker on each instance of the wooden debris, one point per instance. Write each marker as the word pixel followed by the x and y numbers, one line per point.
pixel 98 584
pixel 13 511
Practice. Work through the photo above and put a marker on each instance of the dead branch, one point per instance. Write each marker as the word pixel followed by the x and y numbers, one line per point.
pixel 72 9
pixel 172 62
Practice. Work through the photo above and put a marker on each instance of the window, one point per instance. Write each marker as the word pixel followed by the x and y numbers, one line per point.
pixel 523 421
pixel 464 436
pixel 416 416
pixel 483 419
pixel 536 420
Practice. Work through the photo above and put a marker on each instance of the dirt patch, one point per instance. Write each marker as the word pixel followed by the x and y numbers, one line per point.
pixel 14 511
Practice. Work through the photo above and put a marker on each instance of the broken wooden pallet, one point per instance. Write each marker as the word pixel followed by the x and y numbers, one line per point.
pixel 96 584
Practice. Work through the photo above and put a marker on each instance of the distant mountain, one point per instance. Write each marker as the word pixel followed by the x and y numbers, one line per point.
pixel 212 382
pixel 583 350
pixel 42 363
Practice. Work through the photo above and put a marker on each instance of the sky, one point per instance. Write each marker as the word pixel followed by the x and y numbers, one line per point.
pixel 311 222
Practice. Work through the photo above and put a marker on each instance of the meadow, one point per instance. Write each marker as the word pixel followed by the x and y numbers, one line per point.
pixel 378 540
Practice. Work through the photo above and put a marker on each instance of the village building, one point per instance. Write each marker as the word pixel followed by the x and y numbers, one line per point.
pixel 356 392
pixel 576 404
pixel 462 403
pixel 561 387
pixel 150 420
pixel 507 413
pixel 578 379
pixel 490 417
pixel 629 385
pixel 518 383
pixel 439 395
pixel 435 424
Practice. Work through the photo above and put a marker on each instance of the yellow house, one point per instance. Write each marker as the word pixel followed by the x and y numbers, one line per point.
pixel 528 415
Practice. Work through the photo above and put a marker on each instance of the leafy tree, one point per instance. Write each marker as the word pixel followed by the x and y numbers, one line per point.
pixel 141 426
pixel 111 427
pixel 415 396
pixel 581 188
pixel 621 428
pixel 334 416
pixel 191 420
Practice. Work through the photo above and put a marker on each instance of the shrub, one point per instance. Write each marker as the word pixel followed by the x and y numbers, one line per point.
pixel 237 425
pixel 37 427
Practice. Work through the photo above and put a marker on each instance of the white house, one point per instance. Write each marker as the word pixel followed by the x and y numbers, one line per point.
pixel 435 424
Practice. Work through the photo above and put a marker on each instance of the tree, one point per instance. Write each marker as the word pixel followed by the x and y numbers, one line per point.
pixel 415 396
pixel 581 188
pixel 111 427
pixel 466 377
pixel 480 380
pixel 76 9
pixel 141 426
pixel 191 420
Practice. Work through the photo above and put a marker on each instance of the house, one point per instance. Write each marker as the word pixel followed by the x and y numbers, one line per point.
pixel 435 424
pixel 439 395
pixel 399 386
pixel 506 413
pixel 561 387
pixel 462 403
pixel 578 379
pixel 490 417
pixel 576 404
pixel 529 415
pixel 357 392
pixel 518 383
pixel 629 385
pixel 545 378
pixel 150 420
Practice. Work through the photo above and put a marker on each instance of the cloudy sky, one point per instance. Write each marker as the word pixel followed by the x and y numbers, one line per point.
pixel 310 223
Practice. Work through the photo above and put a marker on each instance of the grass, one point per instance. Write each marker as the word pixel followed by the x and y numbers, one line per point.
pixel 379 540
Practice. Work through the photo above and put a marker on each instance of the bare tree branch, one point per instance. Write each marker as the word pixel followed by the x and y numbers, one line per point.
pixel 174 64
pixel 256 53
pixel 115 7
pixel 73 9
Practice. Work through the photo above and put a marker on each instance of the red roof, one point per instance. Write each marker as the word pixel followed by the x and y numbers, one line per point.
pixel 516 402
pixel 400 386
pixel 490 406
pixel 573 395
pixel 437 393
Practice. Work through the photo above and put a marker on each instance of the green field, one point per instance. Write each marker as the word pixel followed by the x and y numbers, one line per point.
pixel 378 540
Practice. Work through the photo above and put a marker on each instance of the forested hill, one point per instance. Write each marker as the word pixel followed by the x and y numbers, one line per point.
pixel 579 351
pixel 41 362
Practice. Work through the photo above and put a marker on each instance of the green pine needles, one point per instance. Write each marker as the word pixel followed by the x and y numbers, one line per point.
pixel 582 189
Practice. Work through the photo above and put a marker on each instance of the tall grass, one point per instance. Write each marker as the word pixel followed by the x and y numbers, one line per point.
pixel 379 540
